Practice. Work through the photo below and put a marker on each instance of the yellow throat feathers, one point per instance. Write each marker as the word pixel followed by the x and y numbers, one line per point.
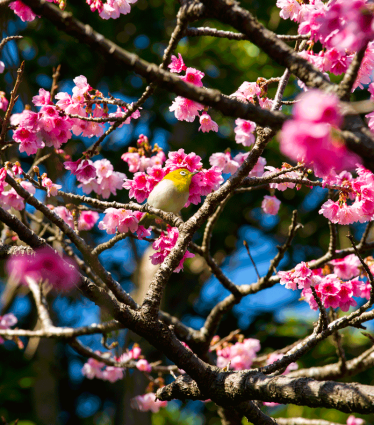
pixel 181 179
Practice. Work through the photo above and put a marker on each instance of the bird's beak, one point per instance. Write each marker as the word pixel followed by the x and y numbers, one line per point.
pixel 196 172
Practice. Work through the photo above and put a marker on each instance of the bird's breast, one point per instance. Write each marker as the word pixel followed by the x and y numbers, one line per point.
pixel 168 197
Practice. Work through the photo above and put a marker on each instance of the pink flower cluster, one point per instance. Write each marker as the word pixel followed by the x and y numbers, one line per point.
pixel 229 165
pixel 147 402
pixel 302 277
pixel 6 322
pixel 141 163
pixel 51 187
pixel 186 109
pixel 22 11
pixel 334 290
pixel 48 127
pixel 270 205
pixel 342 27
pixel 11 199
pixel 244 132
pixel 164 244
pixel 98 176
pixel 96 369
pixel 345 25
pixel 202 183
pixel 352 420
pixel 112 9
pixel 247 92
pixel 51 126
pixel 123 221
pixel 359 190
pixel 77 103
pixel 240 355
pixel 334 293
pixel 310 136
pixel 47 265
pixel 86 221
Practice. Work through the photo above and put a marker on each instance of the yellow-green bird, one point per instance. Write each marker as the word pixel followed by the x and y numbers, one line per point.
pixel 171 193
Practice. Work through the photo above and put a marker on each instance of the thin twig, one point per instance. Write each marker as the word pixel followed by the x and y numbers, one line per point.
pixel 6 39
pixel 250 256
pixel 55 77
pixel 213 32
pixel 13 99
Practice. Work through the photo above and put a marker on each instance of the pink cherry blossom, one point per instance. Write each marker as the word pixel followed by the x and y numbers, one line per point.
pixel 143 365
pixel 7 321
pixel 270 205
pixel 240 354
pixel 22 11
pixel 244 132
pixel 193 76
pixel 95 5
pixel 180 159
pixel 44 98
pixel 93 368
pixel 177 65
pixel 164 244
pixel 11 199
pixel 346 25
pixel 318 107
pixel 364 75
pixel 140 187
pixel 87 220
pixel 366 290
pixel 330 210
pixel 352 420
pixel 83 169
pixel 224 162
pixel 301 278
pixel 112 9
pixel 121 220
pixel 147 402
pixel 290 9
pixel 52 188
pixel 247 91
pixel 2 67
pixel 46 264
pixel 29 141
pixel 3 174
pixel 65 215
pixel 329 289
pixel 347 267
pixel 112 374
pixel 185 109
pixel 207 124
pixel 309 136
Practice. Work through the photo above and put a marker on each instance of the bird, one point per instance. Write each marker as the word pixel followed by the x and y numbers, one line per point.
pixel 171 193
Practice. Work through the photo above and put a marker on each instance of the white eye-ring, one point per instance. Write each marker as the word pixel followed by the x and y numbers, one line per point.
pixel 182 173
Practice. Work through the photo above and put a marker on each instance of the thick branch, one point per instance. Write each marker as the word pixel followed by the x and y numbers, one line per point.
pixel 238 387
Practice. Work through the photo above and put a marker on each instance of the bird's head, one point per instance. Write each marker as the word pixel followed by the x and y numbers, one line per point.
pixel 181 178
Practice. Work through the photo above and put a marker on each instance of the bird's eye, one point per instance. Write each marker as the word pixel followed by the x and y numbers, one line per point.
pixel 182 173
